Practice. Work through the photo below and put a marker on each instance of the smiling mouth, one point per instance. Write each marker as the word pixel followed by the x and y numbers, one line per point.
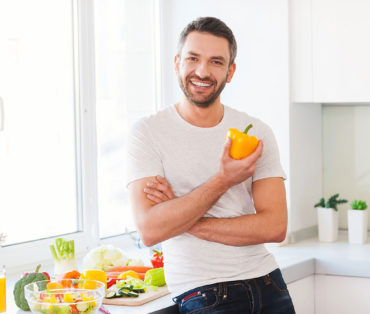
pixel 201 84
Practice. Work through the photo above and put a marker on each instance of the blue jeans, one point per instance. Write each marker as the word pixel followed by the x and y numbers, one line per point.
pixel 267 294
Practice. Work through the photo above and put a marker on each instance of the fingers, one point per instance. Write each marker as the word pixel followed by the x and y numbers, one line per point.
pixel 159 190
pixel 226 151
pixel 165 187
pixel 154 198
pixel 158 195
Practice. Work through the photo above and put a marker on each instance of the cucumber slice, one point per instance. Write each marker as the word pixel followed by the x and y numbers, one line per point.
pixel 138 290
pixel 133 294
pixel 127 293
pixel 120 292
pixel 111 294
pixel 82 307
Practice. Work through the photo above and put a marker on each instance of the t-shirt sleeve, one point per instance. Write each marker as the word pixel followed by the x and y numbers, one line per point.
pixel 269 166
pixel 142 157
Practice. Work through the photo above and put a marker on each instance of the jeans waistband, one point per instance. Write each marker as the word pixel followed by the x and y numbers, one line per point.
pixel 217 287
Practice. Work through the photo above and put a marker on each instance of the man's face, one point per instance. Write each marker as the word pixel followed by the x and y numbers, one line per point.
pixel 203 68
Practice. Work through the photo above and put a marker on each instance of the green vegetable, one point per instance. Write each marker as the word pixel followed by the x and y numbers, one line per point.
pixel 155 277
pixel 66 249
pixel 18 291
pixel 82 307
pixel 59 309
pixel 63 255
pixel 110 294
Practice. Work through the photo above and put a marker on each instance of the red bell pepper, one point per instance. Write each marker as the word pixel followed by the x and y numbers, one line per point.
pixel 37 270
pixel 112 281
pixel 157 259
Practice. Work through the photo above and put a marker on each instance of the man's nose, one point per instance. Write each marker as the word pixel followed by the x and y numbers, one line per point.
pixel 202 70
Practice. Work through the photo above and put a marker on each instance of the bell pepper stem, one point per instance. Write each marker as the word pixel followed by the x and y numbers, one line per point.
pixel 247 128
pixel 38 268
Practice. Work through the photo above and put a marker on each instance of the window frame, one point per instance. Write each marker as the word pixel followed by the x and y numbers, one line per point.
pixel 20 255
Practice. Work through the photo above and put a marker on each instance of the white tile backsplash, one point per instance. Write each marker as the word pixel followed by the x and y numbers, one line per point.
pixel 346 154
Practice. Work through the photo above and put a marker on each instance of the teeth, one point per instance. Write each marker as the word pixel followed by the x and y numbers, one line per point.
pixel 201 84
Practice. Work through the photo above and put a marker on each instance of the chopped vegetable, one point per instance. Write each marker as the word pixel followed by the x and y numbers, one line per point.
pixel 155 277
pixel 104 257
pixel 18 291
pixel 74 274
pixel 157 259
pixel 127 274
pixel 94 274
pixel 63 255
pixel 137 269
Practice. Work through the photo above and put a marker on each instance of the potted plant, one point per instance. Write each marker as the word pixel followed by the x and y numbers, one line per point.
pixel 327 214
pixel 357 222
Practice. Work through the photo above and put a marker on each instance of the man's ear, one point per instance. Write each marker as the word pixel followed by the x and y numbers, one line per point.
pixel 230 72
pixel 177 64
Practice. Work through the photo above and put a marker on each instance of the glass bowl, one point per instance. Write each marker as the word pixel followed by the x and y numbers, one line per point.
pixel 67 296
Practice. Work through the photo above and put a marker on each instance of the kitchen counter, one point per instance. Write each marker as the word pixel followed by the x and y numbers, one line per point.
pixel 296 261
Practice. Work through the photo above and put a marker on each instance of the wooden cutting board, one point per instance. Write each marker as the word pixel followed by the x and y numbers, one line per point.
pixel 143 298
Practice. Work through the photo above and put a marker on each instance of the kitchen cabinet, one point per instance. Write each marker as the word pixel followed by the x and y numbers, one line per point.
pixel 323 294
pixel 341 295
pixel 330 50
pixel 302 294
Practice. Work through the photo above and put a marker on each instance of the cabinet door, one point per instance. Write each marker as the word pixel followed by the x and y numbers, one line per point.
pixel 341 50
pixel 302 294
pixel 341 295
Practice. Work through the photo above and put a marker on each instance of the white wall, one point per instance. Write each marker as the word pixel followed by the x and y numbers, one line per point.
pixel 305 164
pixel 260 85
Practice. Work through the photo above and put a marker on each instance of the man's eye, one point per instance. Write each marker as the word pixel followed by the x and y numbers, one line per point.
pixel 192 58
pixel 217 62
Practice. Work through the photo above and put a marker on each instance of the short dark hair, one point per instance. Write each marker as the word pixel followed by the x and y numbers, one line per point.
pixel 213 26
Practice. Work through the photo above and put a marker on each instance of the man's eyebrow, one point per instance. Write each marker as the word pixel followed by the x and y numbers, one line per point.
pixel 214 58
pixel 219 58
pixel 193 53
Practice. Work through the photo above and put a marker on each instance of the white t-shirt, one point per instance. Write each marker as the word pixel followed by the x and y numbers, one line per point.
pixel 188 156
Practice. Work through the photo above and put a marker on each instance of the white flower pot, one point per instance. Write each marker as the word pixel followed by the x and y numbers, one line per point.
pixel 357 226
pixel 328 224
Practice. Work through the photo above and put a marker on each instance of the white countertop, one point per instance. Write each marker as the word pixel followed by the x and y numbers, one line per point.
pixel 296 261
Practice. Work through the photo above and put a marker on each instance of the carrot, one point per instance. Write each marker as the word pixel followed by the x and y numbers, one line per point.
pixel 138 269
pixel 115 274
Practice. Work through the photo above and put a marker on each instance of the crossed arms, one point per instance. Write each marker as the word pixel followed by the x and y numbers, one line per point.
pixel 159 215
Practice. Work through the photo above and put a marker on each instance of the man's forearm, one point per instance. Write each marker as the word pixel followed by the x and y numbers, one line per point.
pixel 242 230
pixel 168 219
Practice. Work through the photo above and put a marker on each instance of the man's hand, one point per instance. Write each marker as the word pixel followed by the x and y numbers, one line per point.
pixel 234 171
pixel 159 190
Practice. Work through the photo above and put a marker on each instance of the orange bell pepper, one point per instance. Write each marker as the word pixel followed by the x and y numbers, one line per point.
pixel 74 274
pixel 242 144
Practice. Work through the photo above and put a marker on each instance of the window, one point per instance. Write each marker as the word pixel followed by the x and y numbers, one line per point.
pixel 47 144
pixel 37 146
pixel 51 157
pixel 125 85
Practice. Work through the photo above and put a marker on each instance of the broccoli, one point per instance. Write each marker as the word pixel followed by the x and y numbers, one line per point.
pixel 18 291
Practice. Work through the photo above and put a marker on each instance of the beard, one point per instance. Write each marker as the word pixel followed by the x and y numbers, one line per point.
pixel 202 101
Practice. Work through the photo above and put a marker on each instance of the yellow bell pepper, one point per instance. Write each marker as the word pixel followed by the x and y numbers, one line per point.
pixel 94 274
pixel 129 273
pixel 242 145
pixel 68 298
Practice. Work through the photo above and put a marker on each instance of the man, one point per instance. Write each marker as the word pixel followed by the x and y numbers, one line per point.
pixel 212 214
